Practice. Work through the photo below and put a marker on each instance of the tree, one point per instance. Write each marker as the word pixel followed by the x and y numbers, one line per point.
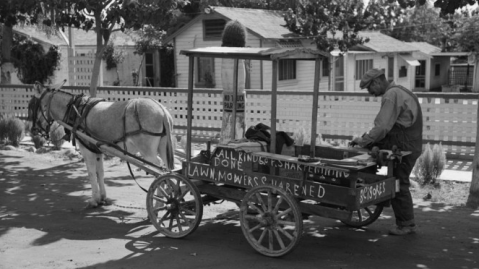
pixel 467 37
pixel 12 13
pixel 107 16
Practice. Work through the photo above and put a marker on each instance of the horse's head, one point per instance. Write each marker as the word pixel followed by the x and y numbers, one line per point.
pixel 38 110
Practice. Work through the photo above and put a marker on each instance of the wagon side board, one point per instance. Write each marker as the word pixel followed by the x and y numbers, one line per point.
pixel 339 196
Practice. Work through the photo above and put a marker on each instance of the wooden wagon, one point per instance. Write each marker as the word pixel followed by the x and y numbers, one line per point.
pixel 274 192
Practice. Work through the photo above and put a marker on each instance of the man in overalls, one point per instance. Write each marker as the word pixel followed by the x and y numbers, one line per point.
pixel 398 123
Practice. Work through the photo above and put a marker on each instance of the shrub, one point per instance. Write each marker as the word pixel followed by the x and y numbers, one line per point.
pixel 430 164
pixel 15 131
pixel 3 129
pixel 38 141
pixel 56 135
pixel 234 35
pixel 28 127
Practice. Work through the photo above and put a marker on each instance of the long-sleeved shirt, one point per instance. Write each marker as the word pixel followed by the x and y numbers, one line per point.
pixel 398 107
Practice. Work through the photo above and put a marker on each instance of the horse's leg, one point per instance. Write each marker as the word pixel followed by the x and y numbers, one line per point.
pixel 100 172
pixel 91 166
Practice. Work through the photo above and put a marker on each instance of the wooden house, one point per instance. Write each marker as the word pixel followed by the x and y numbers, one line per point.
pixel 265 29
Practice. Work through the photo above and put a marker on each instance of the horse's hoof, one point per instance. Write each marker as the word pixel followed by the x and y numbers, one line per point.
pixel 106 201
pixel 92 204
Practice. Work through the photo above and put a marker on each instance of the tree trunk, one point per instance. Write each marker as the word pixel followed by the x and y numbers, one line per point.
pixel 232 128
pixel 473 199
pixel 7 67
pixel 101 41
pixel 475 81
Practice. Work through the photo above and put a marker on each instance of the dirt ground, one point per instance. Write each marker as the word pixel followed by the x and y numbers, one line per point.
pixel 44 223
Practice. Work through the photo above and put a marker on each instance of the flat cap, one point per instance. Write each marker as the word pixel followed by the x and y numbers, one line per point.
pixel 369 76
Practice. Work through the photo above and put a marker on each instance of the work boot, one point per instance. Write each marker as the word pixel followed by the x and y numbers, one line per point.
pixel 403 230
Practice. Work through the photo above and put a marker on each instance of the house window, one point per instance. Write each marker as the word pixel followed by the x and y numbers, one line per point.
pixel 206 72
pixel 286 69
pixel 362 66
pixel 390 69
pixel 403 71
pixel 437 70
pixel 213 29
pixel 325 67
pixel 149 70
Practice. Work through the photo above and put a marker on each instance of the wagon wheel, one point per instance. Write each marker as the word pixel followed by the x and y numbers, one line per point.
pixel 174 205
pixel 364 216
pixel 271 220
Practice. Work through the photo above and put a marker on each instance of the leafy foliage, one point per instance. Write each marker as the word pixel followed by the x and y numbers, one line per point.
pixel 38 141
pixel 467 34
pixel 430 164
pixel 113 56
pixel 330 23
pixel 147 38
pixel 32 63
pixel 234 35
pixel 12 129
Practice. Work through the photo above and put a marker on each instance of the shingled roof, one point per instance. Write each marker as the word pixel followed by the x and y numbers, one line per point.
pixel 425 47
pixel 265 23
pixel 379 42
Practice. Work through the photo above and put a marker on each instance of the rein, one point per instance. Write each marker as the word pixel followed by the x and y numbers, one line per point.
pixel 49 120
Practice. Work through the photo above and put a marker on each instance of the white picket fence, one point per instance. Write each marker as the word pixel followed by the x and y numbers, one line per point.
pixel 449 118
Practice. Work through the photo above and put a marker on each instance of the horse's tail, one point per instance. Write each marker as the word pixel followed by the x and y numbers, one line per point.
pixel 170 151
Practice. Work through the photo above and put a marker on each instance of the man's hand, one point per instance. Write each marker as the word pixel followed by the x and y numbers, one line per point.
pixel 356 140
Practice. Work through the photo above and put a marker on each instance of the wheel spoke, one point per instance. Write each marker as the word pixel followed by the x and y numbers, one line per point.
pixel 158 209
pixel 276 207
pixel 263 234
pixel 280 241
pixel 360 215
pixel 287 211
pixel 286 223
pixel 252 217
pixel 163 190
pixel 164 218
pixel 189 211
pixel 185 219
pixel 255 228
pixel 179 223
pixel 260 201
pixel 270 200
pixel 182 195
pixel 289 236
pixel 171 222
pixel 253 206
pixel 159 198
pixel 270 237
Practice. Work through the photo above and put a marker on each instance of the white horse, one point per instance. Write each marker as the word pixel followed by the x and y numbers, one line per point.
pixel 139 125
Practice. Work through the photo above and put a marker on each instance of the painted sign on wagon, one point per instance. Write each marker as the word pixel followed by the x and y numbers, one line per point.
pixel 227 165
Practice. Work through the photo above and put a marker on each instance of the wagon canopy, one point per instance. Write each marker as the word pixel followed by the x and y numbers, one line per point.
pixel 257 53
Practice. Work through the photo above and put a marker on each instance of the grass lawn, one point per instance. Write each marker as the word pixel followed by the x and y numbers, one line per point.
pixel 449 192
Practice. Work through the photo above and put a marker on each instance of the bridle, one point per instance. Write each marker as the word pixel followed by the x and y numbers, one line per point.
pixel 37 105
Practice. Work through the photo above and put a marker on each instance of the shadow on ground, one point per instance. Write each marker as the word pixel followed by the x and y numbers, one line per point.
pixel 47 200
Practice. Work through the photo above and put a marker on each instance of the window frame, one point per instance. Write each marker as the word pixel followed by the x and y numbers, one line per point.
pixel 362 66
pixel 200 82
pixel 218 29
pixel 287 70
pixel 437 70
